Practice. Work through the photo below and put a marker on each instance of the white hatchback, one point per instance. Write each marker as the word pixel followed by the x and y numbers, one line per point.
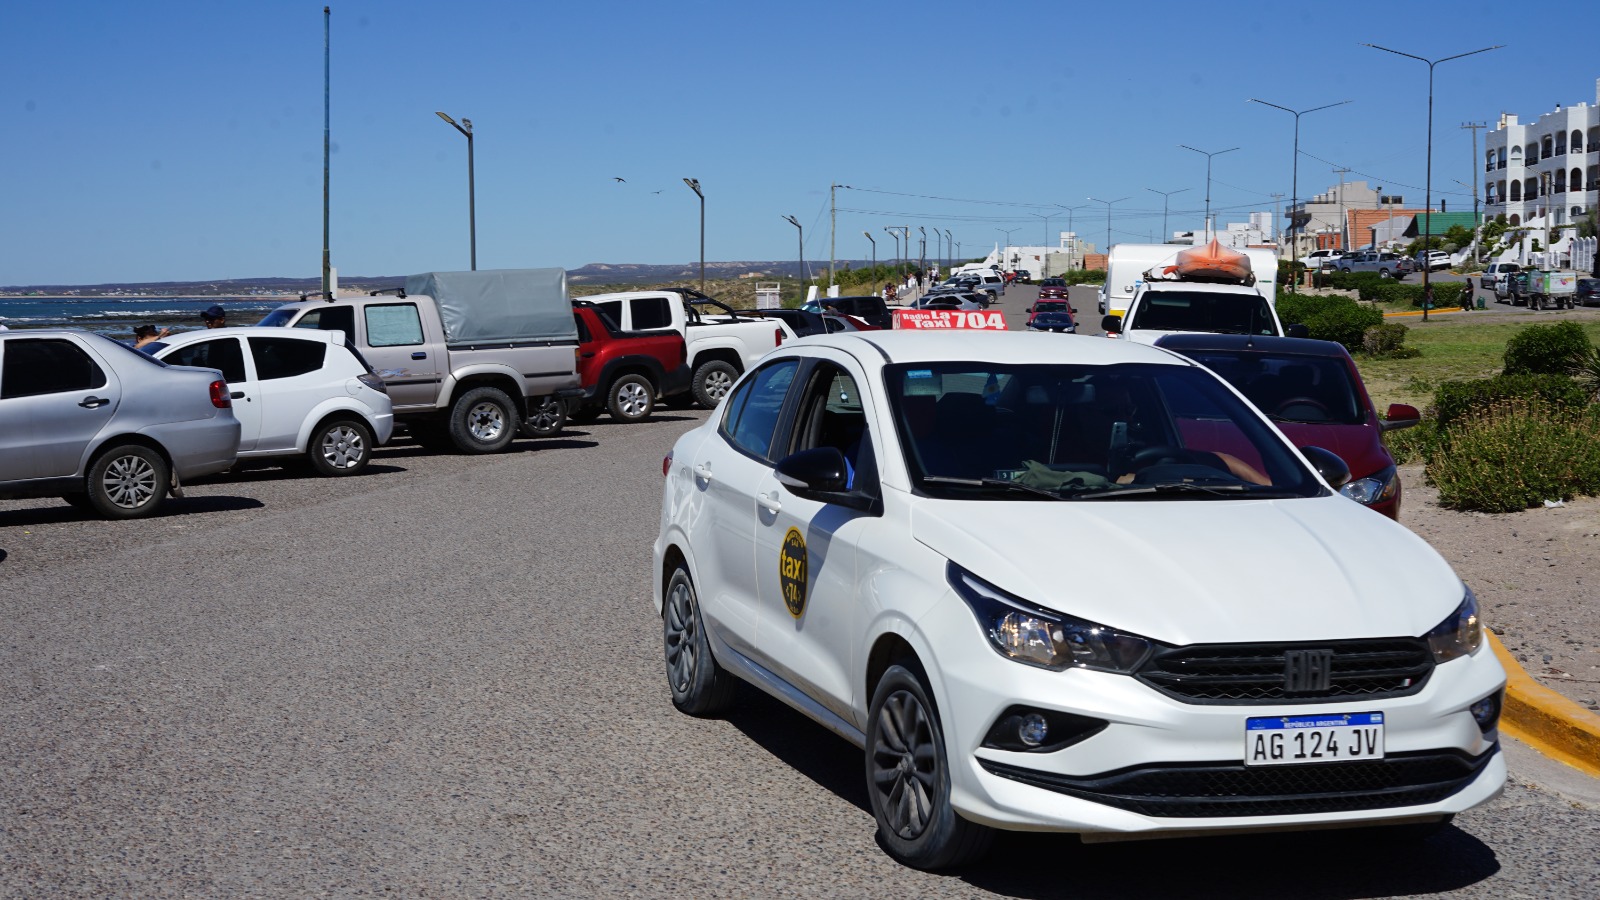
pixel 1078 586
pixel 295 391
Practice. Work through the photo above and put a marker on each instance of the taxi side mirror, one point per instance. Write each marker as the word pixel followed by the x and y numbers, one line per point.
pixel 1328 464
pixel 821 474
pixel 1111 324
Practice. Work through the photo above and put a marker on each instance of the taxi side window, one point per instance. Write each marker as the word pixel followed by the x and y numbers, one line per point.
pixel 753 410
pixel 831 415
pixel 222 354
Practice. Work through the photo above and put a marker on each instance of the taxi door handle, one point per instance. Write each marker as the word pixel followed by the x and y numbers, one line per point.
pixel 93 402
pixel 702 472
pixel 769 502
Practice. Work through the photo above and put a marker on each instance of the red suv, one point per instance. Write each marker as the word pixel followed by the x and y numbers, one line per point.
pixel 624 372
pixel 1313 393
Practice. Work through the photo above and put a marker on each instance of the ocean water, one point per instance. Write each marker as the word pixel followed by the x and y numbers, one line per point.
pixel 116 317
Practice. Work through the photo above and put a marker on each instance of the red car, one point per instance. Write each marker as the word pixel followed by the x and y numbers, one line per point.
pixel 1313 393
pixel 623 372
pixel 1052 293
pixel 1050 306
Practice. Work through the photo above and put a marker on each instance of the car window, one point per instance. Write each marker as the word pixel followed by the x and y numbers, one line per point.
pixel 222 354
pixel 332 318
pixel 752 421
pixel 279 317
pixel 612 310
pixel 36 366
pixel 651 312
pixel 1198 311
pixel 583 329
pixel 831 415
pixel 393 325
pixel 1080 430
pixel 286 357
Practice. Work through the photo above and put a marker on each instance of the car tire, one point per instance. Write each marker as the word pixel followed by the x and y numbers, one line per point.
pixel 1345 270
pixel 908 777
pixel 128 481
pixel 584 414
pixel 712 382
pixel 340 447
pixel 699 686
pixel 546 417
pixel 1383 273
pixel 631 398
pixel 483 421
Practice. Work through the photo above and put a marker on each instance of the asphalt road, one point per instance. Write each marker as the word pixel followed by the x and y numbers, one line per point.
pixel 443 678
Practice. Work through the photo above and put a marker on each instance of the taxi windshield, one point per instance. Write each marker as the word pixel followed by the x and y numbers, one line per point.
pixel 1082 432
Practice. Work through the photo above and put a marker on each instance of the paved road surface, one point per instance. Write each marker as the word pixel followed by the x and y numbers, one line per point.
pixel 444 679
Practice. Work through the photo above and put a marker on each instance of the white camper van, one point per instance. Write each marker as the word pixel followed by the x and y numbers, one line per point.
pixel 1127 264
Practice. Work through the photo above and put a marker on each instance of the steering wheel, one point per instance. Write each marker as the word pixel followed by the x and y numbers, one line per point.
pixel 1161 455
pixel 1312 402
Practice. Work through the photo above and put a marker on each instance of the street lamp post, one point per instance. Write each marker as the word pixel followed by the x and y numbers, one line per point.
pixel 868 236
pixel 895 233
pixel 693 184
pixel 1108 204
pixel 923 244
pixel 1427 204
pixel 1294 186
pixel 1208 179
pixel 800 273
pixel 472 198
pixel 1044 249
pixel 950 249
pixel 1007 233
pixel 1164 195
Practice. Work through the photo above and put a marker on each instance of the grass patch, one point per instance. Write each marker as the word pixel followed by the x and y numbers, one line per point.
pixel 1455 348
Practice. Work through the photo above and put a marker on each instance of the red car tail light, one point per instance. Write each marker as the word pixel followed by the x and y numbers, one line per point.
pixel 219 395
pixel 666 464
pixel 777 337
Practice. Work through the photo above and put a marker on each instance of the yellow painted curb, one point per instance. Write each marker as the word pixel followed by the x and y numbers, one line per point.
pixel 1437 312
pixel 1545 720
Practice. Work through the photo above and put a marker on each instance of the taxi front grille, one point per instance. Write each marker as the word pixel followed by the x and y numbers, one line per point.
pixel 1261 673
pixel 1214 790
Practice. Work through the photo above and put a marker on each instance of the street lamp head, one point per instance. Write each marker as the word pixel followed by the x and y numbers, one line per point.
pixel 792 221
pixel 694 185
pixel 445 117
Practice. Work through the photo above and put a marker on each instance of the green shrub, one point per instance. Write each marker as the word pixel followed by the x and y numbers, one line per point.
pixel 1337 319
pixel 1586 368
pixel 1516 455
pixel 1545 348
pixel 1083 276
pixel 1342 281
pixel 1416 444
pixel 1388 341
pixel 1455 401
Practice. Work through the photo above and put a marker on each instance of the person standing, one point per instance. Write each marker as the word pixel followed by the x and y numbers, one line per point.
pixel 215 316
pixel 145 335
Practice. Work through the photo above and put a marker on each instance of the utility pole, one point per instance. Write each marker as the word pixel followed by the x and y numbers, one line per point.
pixel 833 225
pixel 1277 233
pixel 327 257
pixel 1344 239
pixel 1474 126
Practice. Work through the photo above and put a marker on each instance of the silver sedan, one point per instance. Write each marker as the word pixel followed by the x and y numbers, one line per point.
pixel 105 427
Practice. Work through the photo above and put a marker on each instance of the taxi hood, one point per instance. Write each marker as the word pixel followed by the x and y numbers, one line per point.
pixel 1202 571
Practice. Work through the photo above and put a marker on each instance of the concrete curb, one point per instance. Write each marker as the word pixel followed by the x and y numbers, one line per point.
pixel 1545 720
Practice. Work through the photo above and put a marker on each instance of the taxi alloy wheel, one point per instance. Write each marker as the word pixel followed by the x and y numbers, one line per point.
pixel 699 686
pixel 908 778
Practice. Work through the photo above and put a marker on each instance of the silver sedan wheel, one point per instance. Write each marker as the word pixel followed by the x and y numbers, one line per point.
pixel 681 638
pixel 905 765
pixel 129 481
pixel 343 447
pixel 486 421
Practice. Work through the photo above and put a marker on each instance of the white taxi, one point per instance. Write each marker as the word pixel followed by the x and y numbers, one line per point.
pixel 1072 585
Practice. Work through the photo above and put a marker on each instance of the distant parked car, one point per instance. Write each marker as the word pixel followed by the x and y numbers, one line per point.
pixel 1434 260
pixel 1385 263
pixel 1588 293
pixel 296 392
pixel 1322 259
pixel 1312 391
pixel 870 308
pixel 105 427
pixel 1059 321
pixel 1494 273
pixel 1053 281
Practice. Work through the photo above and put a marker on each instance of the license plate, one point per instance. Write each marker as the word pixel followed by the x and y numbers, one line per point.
pixel 1296 740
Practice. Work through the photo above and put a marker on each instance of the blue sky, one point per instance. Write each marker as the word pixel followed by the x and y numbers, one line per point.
pixel 176 141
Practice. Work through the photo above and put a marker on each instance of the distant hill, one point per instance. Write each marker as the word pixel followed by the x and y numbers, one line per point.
pixel 593 273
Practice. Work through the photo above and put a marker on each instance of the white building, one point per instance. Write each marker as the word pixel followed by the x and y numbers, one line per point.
pixel 1043 262
pixel 1257 232
pixel 1550 167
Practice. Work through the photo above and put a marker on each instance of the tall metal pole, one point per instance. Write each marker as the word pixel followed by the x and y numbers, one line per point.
pixel 868 236
pixel 800 272
pixel 833 227
pixel 472 192
pixel 1164 195
pixel 1208 180
pixel 1294 185
pixel 1475 126
pixel 950 245
pixel 327 258
pixel 907 230
pixel 922 264
pixel 1427 211
pixel 1072 251
pixel 1108 204
pixel 1344 231
pixel 694 185
pixel 895 233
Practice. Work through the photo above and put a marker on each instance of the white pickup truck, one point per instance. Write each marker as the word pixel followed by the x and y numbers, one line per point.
pixel 722 341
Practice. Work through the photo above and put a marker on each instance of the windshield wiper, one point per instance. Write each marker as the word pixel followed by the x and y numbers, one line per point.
pixel 992 482
pixel 1170 487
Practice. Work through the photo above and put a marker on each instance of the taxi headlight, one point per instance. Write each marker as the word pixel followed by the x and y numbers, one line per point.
pixel 1460 634
pixel 1375 488
pixel 1040 637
